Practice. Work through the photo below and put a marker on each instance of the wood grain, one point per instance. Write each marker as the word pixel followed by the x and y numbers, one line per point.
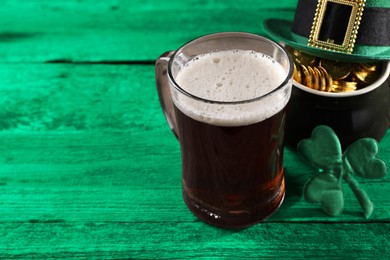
pixel 90 139
pixel 41 31
pixel 40 97
pixel 124 177
pixel 88 165
pixel 168 240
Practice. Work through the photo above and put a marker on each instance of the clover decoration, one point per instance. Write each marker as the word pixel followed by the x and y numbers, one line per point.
pixel 323 151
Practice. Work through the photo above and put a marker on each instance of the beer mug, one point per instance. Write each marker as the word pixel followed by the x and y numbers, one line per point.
pixel 224 96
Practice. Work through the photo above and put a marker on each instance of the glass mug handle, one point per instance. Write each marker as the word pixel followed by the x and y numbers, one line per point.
pixel 163 89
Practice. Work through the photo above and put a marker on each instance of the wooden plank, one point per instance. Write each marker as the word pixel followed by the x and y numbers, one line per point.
pixel 86 139
pixel 126 30
pixel 172 240
pixel 37 97
pixel 119 176
pixel 88 166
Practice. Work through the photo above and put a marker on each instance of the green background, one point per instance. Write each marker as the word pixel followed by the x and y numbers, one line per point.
pixel 88 165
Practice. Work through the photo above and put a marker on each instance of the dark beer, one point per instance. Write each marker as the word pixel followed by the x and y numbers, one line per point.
pixel 230 127
pixel 232 176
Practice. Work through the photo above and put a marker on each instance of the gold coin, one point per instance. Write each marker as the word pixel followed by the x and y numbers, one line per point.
pixel 316 78
pixel 369 66
pixel 332 76
pixel 344 86
pixel 297 74
pixel 303 58
pixel 315 81
pixel 330 83
pixel 338 70
pixel 328 78
pixel 366 77
pixel 306 76
pixel 321 79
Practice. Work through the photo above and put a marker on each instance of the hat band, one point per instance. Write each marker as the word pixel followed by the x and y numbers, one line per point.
pixel 359 50
pixel 373 29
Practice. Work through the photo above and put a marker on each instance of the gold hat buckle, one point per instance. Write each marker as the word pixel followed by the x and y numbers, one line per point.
pixel 347 27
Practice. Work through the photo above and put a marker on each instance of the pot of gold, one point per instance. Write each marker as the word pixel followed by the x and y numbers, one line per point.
pixel 352 98
pixel 341 51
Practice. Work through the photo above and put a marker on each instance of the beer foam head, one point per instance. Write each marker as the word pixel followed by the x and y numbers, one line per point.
pixel 237 83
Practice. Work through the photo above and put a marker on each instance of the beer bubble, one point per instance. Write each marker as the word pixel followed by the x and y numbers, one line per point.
pixel 216 60
pixel 219 109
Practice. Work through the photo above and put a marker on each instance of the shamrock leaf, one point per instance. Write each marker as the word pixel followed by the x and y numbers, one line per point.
pixel 360 158
pixel 325 188
pixel 361 195
pixel 323 149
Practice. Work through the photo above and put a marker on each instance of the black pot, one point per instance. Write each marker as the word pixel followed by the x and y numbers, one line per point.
pixel 352 115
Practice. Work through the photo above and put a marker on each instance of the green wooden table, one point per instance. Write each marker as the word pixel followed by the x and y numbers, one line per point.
pixel 88 165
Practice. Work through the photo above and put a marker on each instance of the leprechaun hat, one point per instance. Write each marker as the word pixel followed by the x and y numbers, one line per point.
pixel 343 30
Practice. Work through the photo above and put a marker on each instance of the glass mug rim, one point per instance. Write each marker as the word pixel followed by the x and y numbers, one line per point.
pixel 222 35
